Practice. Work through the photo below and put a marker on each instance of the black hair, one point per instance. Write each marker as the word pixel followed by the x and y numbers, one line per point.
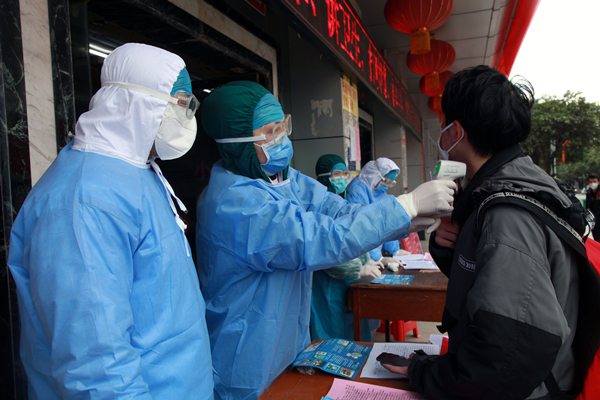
pixel 592 176
pixel 494 111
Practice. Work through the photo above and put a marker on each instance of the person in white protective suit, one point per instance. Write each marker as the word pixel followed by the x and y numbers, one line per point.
pixel 109 297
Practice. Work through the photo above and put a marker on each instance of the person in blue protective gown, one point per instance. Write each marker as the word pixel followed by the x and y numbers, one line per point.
pixel 108 293
pixel 329 315
pixel 263 227
pixel 372 184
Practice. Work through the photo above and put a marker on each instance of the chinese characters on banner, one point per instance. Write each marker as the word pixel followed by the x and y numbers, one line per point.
pixel 349 96
pixel 337 26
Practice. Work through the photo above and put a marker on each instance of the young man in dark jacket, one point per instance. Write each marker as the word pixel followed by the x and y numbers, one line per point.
pixel 512 299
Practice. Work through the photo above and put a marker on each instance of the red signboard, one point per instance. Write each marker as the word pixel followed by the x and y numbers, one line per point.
pixel 336 25
pixel 258 5
pixel 412 244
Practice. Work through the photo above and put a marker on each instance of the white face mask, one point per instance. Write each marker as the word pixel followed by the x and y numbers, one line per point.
pixel 176 134
pixel 444 154
pixel 594 185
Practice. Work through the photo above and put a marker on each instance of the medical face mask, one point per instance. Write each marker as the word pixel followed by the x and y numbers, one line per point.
pixel 278 155
pixel 381 189
pixel 594 185
pixel 339 184
pixel 176 134
pixel 445 154
pixel 177 130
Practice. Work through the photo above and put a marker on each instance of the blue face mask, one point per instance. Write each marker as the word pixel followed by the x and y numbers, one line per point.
pixel 278 156
pixel 381 189
pixel 339 184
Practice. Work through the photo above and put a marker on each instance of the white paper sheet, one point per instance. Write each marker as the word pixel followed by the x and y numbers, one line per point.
pixel 343 389
pixel 373 368
pixel 419 265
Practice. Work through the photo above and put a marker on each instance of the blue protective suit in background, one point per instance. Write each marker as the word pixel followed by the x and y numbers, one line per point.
pixel 257 243
pixel 329 317
pixel 110 304
pixel 359 193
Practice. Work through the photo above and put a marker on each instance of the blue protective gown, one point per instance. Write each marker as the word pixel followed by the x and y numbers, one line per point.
pixel 329 316
pixel 257 244
pixel 359 193
pixel 110 304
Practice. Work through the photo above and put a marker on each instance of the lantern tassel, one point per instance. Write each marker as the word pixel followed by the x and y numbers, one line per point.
pixel 419 41
pixel 432 81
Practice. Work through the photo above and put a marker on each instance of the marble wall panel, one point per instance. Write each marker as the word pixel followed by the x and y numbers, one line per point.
pixel 15 183
pixel 37 64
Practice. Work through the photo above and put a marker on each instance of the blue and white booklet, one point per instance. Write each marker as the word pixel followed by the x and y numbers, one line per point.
pixel 336 356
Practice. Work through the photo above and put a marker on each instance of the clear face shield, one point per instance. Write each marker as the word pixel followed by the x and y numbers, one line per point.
pixel 274 133
pixel 188 104
pixel 336 174
pixel 386 181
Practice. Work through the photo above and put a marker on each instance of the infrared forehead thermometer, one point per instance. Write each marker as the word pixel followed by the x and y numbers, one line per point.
pixel 450 170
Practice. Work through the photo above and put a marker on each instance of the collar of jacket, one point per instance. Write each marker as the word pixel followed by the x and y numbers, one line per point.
pixel 465 202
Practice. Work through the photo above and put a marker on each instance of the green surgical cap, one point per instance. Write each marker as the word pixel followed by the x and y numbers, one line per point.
pixel 228 112
pixel 325 164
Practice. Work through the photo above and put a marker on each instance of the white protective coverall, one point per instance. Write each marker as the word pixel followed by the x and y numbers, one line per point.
pixel 109 298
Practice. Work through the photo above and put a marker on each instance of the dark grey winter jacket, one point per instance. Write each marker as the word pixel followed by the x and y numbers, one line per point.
pixel 512 299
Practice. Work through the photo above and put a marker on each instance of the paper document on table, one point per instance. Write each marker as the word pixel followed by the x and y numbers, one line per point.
pixel 416 261
pixel 419 265
pixel 410 257
pixel 349 390
pixel 373 368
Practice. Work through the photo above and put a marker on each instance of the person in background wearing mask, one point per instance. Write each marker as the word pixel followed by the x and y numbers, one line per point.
pixel 592 203
pixel 108 294
pixel 263 227
pixel 373 182
pixel 329 317
pixel 513 289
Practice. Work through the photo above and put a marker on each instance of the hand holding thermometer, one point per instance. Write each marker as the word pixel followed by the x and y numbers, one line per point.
pixel 450 170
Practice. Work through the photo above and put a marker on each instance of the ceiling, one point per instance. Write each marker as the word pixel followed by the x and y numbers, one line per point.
pixel 477 30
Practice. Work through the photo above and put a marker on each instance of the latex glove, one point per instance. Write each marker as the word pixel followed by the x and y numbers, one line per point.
pixel 433 197
pixel 418 224
pixel 386 260
pixel 372 268
pixel 447 233
pixel 401 253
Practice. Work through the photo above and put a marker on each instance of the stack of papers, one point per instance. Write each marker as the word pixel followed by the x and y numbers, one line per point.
pixel 373 368
pixel 416 261
pixel 348 390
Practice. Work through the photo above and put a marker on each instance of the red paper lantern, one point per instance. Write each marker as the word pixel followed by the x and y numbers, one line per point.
pixel 444 76
pixel 439 59
pixel 417 17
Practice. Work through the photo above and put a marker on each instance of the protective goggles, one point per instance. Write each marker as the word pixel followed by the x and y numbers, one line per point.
pixel 187 101
pixel 275 131
pixel 386 181
pixel 337 173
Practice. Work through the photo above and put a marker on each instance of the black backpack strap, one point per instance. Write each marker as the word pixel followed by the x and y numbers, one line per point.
pixel 557 224
pixel 587 334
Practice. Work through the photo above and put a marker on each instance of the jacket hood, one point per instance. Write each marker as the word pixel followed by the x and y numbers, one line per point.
pixel 522 176
pixel 123 123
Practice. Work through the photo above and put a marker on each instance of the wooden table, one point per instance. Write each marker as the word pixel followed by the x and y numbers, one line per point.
pixel 292 385
pixel 422 300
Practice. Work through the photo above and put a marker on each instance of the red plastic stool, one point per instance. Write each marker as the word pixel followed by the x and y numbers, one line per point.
pixel 398 329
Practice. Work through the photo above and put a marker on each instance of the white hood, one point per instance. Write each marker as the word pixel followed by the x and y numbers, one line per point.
pixel 123 123
pixel 369 175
